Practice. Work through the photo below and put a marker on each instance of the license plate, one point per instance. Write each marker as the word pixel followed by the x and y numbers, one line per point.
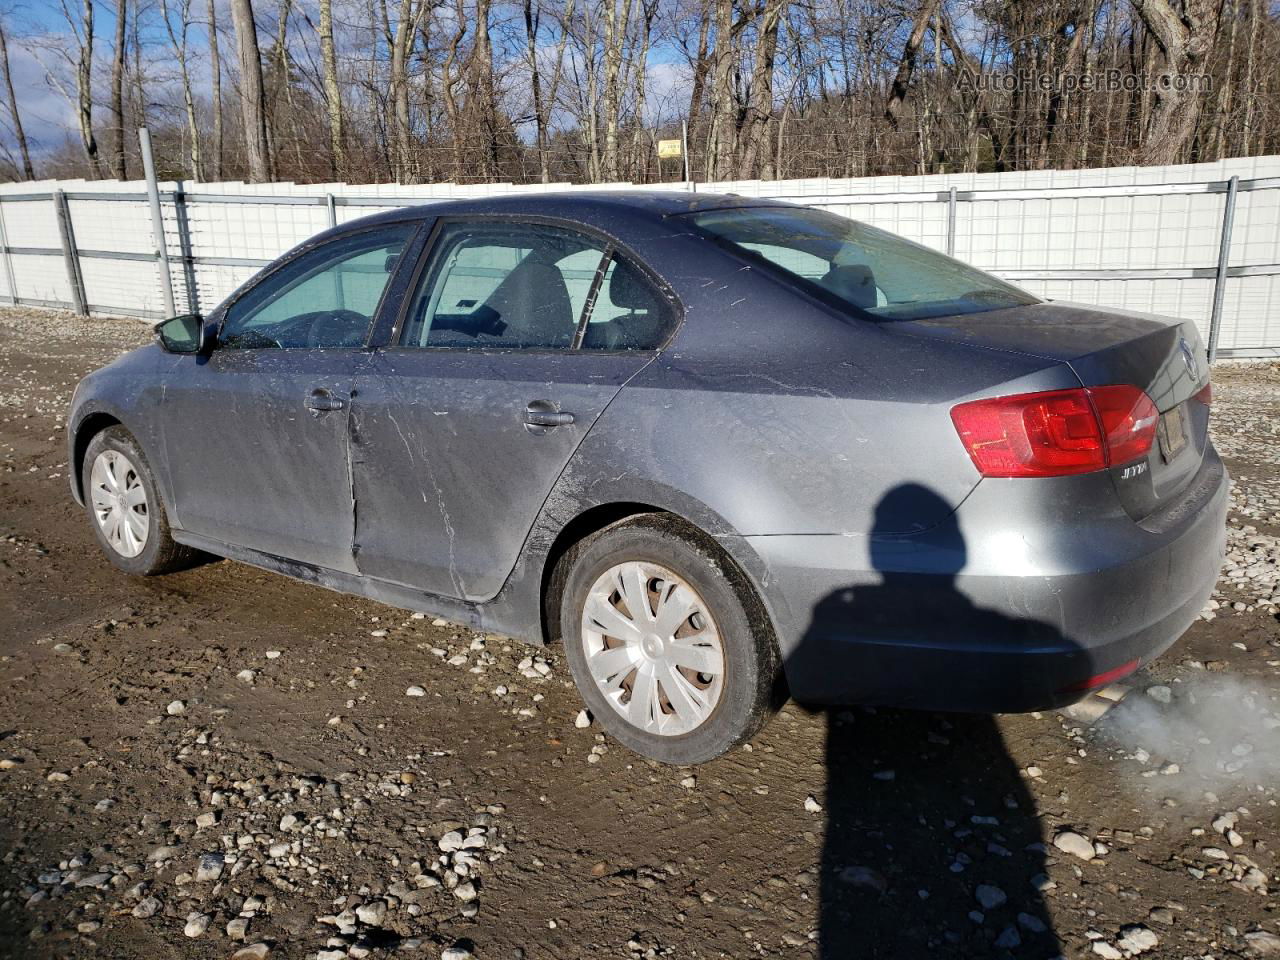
pixel 1172 433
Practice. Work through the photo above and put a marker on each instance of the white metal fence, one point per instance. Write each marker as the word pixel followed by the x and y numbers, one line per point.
pixel 1199 241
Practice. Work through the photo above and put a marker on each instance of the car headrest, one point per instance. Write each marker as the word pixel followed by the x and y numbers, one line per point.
pixel 853 282
pixel 628 291
pixel 533 302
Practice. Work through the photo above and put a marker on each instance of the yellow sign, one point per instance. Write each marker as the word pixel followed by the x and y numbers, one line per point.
pixel 668 148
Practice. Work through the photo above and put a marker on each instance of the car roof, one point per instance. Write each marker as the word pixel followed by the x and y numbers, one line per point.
pixel 574 205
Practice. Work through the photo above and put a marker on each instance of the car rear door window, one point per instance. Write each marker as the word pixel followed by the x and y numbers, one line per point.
pixel 325 298
pixel 629 313
pixel 532 286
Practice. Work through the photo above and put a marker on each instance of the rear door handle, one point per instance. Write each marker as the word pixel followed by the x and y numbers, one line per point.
pixel 321 400
pixel 542 415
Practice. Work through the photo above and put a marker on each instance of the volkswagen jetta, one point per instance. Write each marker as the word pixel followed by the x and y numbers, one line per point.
pixel 726 450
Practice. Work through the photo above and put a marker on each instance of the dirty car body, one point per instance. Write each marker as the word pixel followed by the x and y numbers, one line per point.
pixel 798 418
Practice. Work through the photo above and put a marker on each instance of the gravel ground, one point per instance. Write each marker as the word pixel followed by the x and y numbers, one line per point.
pixel 224 762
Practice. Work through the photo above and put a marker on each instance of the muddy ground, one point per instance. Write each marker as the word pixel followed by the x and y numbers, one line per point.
pixel 224 758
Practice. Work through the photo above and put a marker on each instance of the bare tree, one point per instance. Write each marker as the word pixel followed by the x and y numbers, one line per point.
pixel 907 62
pixel 79 56
pixel 178 40
pixel 252 97
pixel 332 91
pixel 615 37
pixel 414 89
pixel 544 100
pixel 1184 37
pixel 760 105
pixel 400 55
pixel 215 88
pixel 720 139
pixel 452 82
pixel 28 171
pixel 119 168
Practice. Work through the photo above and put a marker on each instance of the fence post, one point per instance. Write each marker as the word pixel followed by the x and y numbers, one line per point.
pixel 951 222
pixel 157 220
pixel 332 209
pixel 184 246
pixel 8 260
pixel 1224 255
pixel 684 147
pixel 69 256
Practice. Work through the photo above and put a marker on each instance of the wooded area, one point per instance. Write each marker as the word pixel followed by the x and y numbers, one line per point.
pixel 581 90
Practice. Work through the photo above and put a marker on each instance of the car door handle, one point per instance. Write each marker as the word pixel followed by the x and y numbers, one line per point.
pixel 321 401
pixel 542 413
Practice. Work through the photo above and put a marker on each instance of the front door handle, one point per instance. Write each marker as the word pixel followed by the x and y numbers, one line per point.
pixel 542 415
pixel 321 401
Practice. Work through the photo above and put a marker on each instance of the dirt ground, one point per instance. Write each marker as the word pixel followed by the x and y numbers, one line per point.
pixel 224 758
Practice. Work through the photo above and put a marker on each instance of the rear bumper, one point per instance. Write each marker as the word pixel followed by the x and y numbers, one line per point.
pixel 1012 604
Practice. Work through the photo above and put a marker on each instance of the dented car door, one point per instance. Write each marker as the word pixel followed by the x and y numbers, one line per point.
pixel 465 419
pixel 256 434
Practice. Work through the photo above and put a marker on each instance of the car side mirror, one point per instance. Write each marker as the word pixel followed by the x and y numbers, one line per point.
pixel 187 333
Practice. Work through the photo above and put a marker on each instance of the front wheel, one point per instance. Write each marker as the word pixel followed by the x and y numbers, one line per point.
pixel 662 645
pixel 124 507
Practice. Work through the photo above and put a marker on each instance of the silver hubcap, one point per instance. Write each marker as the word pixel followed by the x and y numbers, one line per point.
pixel 119 503
pixel 652 648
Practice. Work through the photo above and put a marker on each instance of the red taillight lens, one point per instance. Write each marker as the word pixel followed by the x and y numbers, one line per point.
pixel 1205 395
pixel 1129 421
pixel 1058 432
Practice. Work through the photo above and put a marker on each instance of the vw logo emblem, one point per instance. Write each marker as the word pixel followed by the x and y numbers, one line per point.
pixel 1189 358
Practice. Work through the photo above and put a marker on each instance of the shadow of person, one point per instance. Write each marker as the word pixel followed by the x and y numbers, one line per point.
pixel 932 844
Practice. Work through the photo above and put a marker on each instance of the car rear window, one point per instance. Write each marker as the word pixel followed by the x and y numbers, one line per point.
pixel 878 274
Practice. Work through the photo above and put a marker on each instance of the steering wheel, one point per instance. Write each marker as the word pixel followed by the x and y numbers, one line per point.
pixel 334 328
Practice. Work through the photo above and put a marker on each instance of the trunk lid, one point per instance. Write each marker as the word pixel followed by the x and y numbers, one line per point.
pixel 1165 358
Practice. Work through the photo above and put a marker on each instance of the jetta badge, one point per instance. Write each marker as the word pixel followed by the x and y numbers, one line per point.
pixel 1189 358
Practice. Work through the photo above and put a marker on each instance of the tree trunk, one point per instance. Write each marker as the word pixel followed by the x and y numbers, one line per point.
pixel 549 102
pixel 531 24
pixel 28 170
pixel 400 92
pixel 701 65
pixel 451 80
pixel 615 38
pixel 284 71
pixel 119 169
pixel 253 112
pixel 1184 40
pixel 755 130
pixel 639 166
pixel 84 94
pixel 482 95
pixel 907 63
pixel 332 92
pixel 1251 70
pixel 179 41
pixel 720 146
pixel 215 91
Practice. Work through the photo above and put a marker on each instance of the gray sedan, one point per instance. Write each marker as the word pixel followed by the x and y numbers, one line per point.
pixel 724 450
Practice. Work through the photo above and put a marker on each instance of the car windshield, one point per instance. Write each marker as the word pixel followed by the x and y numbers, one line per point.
pixel 873 271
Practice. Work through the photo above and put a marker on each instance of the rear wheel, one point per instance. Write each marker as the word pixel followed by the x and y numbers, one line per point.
pixel 661 644
pixel 124 507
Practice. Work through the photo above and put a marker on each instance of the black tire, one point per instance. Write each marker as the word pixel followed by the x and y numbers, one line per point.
pixel 160 554
pixel 751 685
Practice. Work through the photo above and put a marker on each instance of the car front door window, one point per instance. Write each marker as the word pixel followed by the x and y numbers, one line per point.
pixel 325 298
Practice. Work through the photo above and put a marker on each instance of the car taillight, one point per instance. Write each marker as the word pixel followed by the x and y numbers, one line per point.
pixel 1205 394
pixel 1129 421
pixel 1058 432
